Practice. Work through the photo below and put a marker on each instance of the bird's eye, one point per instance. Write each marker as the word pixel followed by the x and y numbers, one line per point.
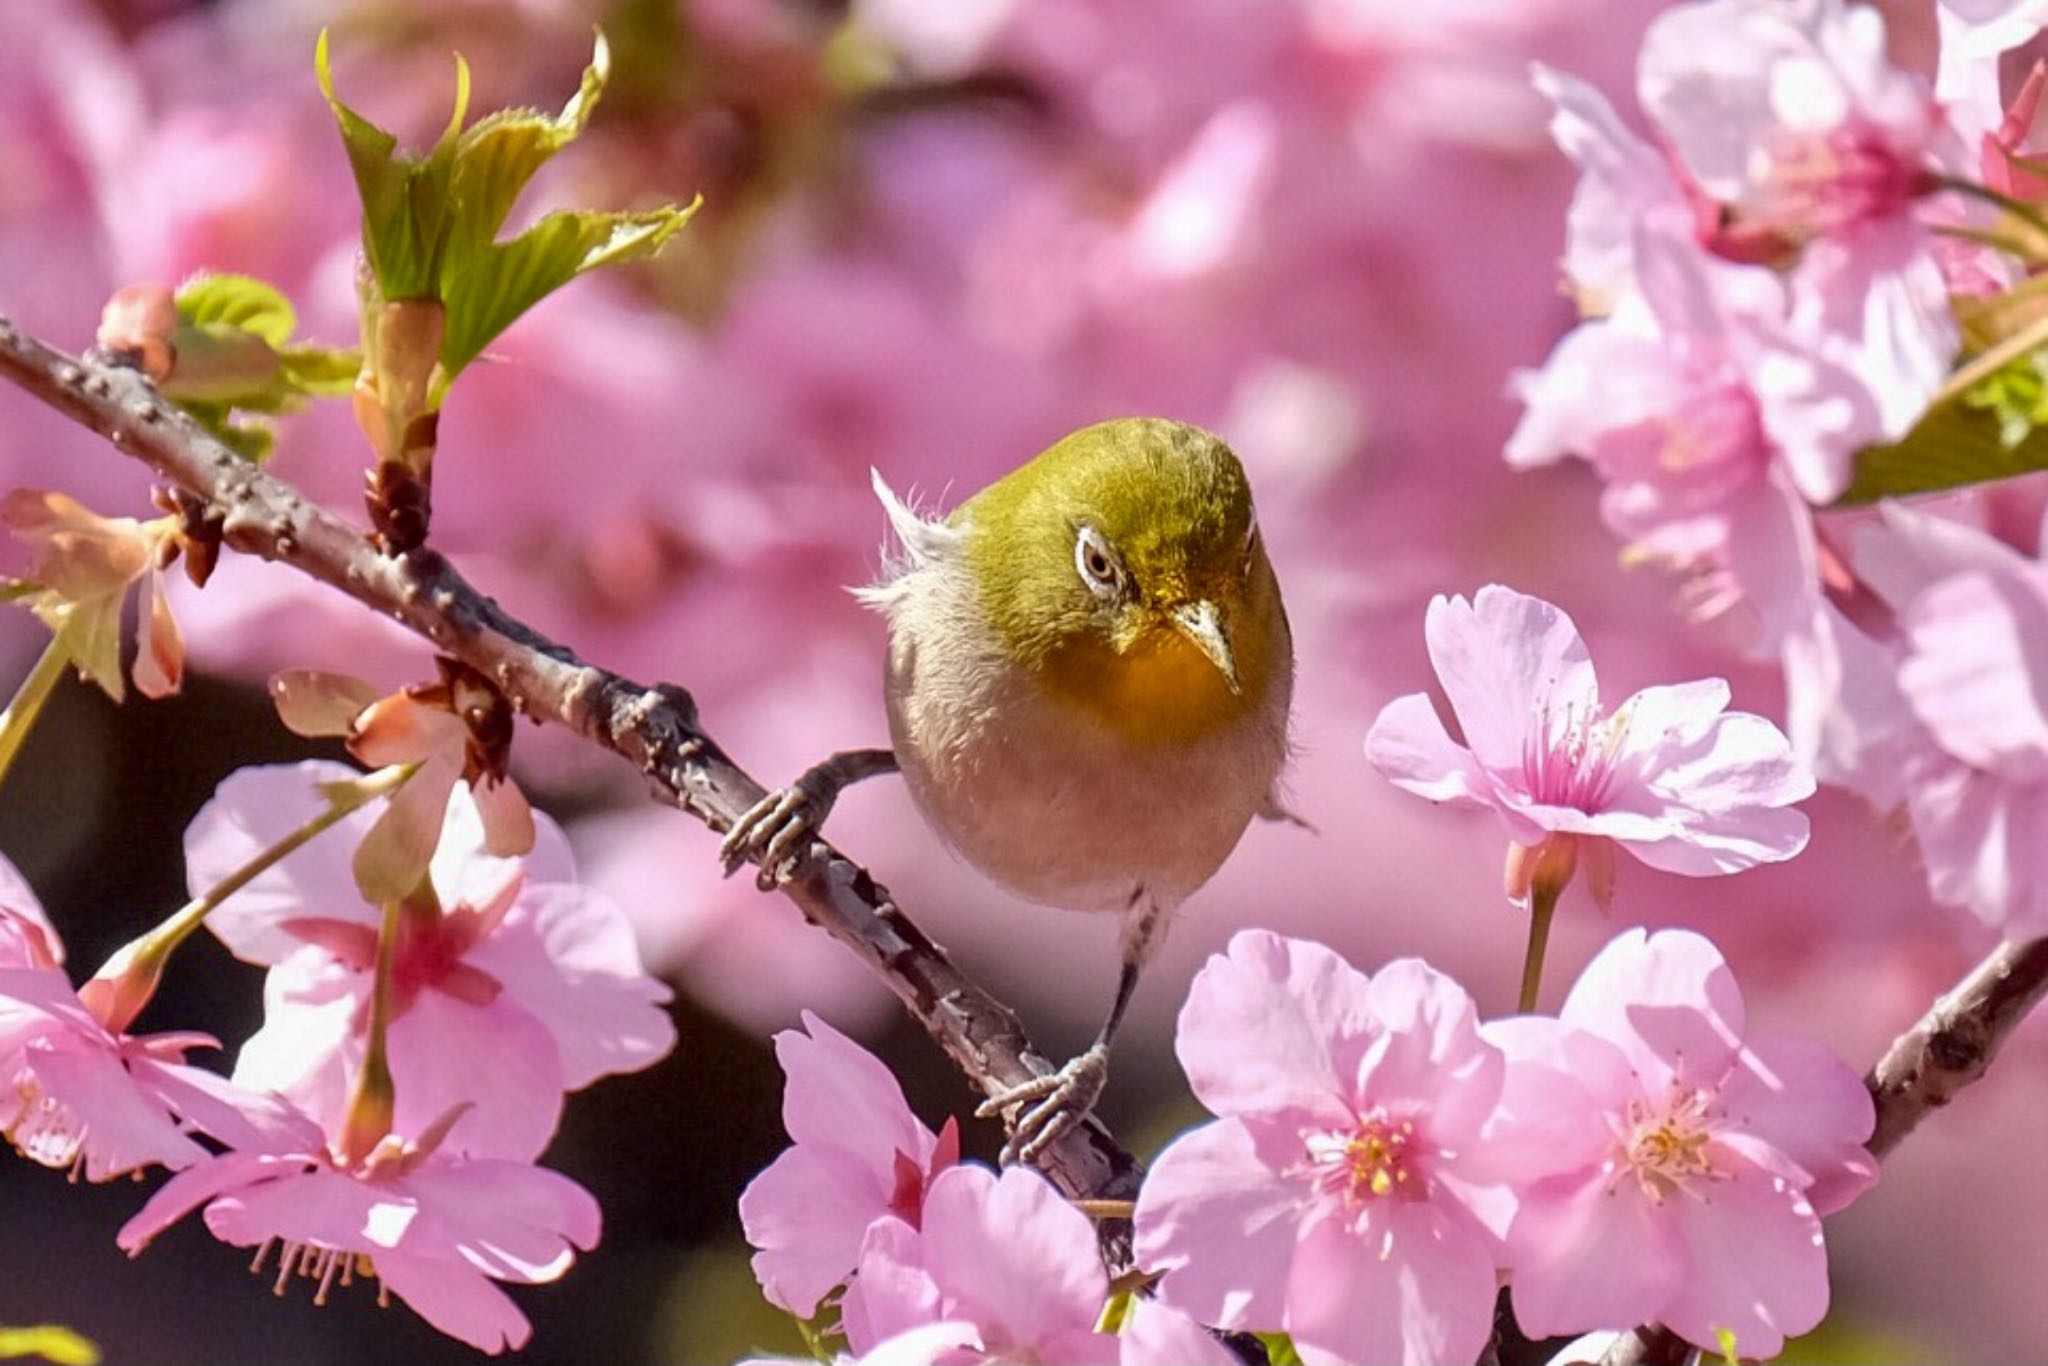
pixel 1097 564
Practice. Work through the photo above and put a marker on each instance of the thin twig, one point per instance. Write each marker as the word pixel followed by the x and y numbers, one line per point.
pixel 654 728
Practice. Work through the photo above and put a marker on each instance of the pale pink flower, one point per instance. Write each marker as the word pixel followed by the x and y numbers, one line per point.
pixel 433 1228
pixel 1339 1198
pixel 1002 1269
pixel 1939 707
pixel 1669 775
pixel 857 1154
pixel 75 1093
pixel 522 986
pixel 1668 1168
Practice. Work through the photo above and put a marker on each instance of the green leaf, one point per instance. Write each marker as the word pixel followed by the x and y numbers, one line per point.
pixel 1280 1349
pixel 254 441
pixel 495 159
pixel 431 223
pixel 321 371
pixel 49 1342
pixel 405 196
pixel 237 303
pixel 506 278
pixel 1991 431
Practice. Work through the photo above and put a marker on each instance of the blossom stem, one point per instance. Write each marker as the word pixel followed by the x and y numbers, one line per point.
pixel 1542 905
pixel 1106 1209
pixel 21 713
pixel 373 1099
pixel 1988 363
pixel 2018 208
pixel 342 800
pixel 124 984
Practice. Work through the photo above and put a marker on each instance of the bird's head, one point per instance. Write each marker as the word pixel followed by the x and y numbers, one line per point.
pixel 1123 566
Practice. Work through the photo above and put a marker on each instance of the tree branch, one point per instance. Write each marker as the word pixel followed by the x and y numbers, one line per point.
pixel 1951 1046
pixel 653 728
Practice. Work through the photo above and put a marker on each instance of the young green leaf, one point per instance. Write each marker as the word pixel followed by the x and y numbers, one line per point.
pixel 489 290
pixel 237 303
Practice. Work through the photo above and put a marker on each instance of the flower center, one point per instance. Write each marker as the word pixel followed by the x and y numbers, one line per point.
pixel 1380 1157
pixel 1666 1148
pixel 1569 761
pixel 1828 183
pixel 325 1266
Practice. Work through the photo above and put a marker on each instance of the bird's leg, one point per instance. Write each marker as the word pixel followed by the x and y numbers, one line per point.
pixel 772 829
pixel 1060 1100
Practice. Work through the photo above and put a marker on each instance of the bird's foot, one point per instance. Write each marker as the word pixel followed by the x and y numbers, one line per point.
pixel 1055 1104
pixel 774 828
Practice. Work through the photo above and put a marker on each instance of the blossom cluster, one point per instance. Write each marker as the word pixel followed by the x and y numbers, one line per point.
pixel 1382 1160
pixel 383 1122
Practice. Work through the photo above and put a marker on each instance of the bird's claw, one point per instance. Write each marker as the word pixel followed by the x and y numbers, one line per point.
pixel 773 829
pixel 1055 1104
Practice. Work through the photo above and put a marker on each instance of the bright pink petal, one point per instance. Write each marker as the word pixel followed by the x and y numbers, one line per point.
pixel 196 1185
pixel 1272 1024
pixel 124 1126
pixel 1503 659
pixel 1757 1266
pixel 1013 1256
pixel 322 1207
pixel 1591 1249
pixel 496 1058
pixel 466 873
pixel 1413 1289
pixel 457 1300
pixel 894 1292
pixel 507 819
pixel 566 955
pixel 1985 843
pixel 1154 1335
pixel 1432 1062
pixel 17 897
pixel 1220 1223
pixel 510 1220
pixel 806 1215
pixel 251 810
pixel 1667 1000
pixel 312 1008
pixel 1977 671
pixel 1411 750
pixel 1808 1104
pixel 159 649
pixel 837 1094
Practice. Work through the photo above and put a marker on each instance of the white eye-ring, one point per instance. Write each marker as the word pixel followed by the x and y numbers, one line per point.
pixel 1096 564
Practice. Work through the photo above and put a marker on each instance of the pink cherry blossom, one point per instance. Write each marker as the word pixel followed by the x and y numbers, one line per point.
pixel 1935 704
pixel 523 984
pixel 1669 1168
pixel 858 1154
pixel 74 1093
pixel 1013 1272
pixel 1340 1196
pixel 434 1228
pixel 1669 775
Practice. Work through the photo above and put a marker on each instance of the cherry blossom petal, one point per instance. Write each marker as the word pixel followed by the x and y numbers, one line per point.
pixel 498 1059
pixel 250 811
pixel 1503 659
pixel 1275 1024
pixel 895 1292
pixel 193 1187
pixel 1589 1251
pixel 510 1220
pixel 840 1095
pixel 122 1126
pixel 1808 1105
pixel 1758 1266
pixel 1410 748
pixel 1221 1225
pixel 806 1215
pixel 1667 1000
pixel 159 649
pixel 1433 1062
pixel 1977 670
pixel 1432 1301
pixel 457 1300
pixel 1009 1246
pixel 1154 1335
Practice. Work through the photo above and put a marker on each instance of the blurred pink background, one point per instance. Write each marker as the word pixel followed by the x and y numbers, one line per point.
pixel 935 238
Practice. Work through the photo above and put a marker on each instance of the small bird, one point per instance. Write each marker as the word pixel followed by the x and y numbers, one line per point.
pixel 1088 684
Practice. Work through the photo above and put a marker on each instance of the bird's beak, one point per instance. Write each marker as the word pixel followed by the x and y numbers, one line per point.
pixel 1199 622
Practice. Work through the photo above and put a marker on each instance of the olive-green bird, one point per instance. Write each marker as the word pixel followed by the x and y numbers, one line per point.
pixel 1088 685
